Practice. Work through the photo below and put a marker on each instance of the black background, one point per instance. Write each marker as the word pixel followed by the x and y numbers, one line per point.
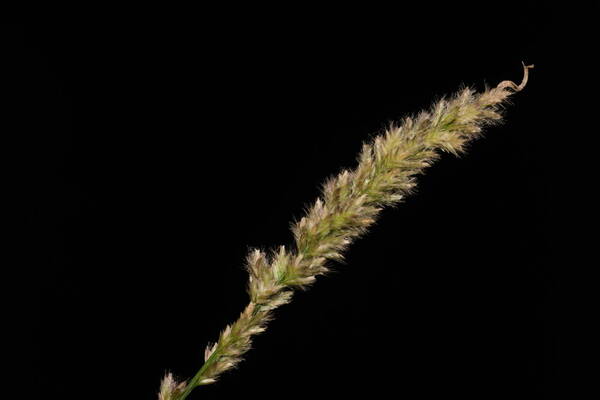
pixel 156 155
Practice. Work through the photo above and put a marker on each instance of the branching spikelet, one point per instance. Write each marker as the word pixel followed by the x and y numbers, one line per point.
pixel 169 389
pixel 349 205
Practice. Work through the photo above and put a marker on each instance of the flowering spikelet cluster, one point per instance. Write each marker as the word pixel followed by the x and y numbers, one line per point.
pixel 349 205
pixel 169 389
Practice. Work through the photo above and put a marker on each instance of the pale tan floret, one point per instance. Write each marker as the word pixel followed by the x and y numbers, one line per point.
pixel 349 205
pixel 169 389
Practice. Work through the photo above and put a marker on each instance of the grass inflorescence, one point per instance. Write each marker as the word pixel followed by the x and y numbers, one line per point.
pixel 349 205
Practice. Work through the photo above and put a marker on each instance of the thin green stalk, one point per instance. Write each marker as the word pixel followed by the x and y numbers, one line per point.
pixel 193 383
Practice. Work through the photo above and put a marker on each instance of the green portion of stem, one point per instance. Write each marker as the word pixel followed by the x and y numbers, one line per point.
pixel 193 383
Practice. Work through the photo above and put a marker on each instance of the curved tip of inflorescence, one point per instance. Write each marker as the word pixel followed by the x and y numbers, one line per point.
pixel 514 86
